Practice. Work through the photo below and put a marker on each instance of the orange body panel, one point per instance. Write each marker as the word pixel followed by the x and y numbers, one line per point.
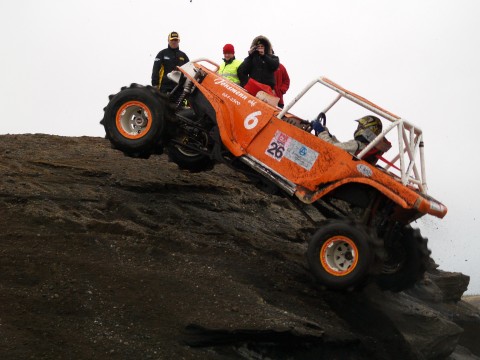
pixel 242 115
pixel 249 126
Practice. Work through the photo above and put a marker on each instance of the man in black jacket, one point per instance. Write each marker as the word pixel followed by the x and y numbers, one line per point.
pixel 167 60
pixel 260 64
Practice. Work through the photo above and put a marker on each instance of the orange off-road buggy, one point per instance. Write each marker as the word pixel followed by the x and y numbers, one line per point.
pixel 367 207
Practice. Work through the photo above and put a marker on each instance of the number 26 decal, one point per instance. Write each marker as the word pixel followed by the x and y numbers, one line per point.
pixel 251 120
pixel 276 150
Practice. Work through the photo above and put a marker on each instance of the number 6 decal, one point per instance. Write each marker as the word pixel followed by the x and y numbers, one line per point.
pixel 251 120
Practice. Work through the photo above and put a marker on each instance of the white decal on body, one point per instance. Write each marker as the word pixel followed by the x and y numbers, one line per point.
pixel 364 170
pixel 251 120
pixel 278 145
pixel 232 99
pixel 230 87
pixel 301 154
pixel 435 206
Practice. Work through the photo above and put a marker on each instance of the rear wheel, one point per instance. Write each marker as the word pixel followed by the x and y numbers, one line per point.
pixel 407 259
pixel 134 120
pixel 340 255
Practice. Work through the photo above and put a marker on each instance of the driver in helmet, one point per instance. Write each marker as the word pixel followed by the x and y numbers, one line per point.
pixel 368 128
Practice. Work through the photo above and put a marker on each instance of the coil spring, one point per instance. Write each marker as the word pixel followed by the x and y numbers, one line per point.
pixel 186 90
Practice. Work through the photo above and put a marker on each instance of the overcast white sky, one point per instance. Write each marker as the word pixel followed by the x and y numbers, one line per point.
pixel 60 59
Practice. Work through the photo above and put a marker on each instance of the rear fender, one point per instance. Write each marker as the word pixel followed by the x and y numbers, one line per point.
pixel 309 197
pixel 412 201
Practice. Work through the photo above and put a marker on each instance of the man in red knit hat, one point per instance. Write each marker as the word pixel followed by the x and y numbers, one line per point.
pixel 229 67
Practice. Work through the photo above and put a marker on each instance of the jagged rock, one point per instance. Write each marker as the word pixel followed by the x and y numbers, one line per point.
pixel 429 332
pixel 462 353
pixel 442 292
pixel 467 317
pixel 453 285
pixel 103 256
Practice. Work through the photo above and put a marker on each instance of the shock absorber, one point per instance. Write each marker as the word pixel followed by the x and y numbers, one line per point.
pixel 187 89
pixel 189 86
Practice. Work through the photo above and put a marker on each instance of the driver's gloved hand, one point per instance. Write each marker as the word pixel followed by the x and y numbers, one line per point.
pixel 317 126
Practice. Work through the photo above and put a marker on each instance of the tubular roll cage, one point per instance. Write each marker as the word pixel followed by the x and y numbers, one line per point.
pixel 410 137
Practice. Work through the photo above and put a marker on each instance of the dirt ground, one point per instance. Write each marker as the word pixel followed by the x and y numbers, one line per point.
pixel 104 256
pixel 473 299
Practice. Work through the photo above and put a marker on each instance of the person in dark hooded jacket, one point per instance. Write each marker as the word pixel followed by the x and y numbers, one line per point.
pixel 260 64
pixel 166 61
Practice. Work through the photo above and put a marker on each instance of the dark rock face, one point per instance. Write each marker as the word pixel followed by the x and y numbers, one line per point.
pixel 104 256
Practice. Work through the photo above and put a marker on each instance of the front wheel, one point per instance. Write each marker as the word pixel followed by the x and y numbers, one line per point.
pixel 134 120
pixel 340 255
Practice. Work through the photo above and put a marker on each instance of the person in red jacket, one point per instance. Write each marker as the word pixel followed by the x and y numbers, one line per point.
pixel 282 83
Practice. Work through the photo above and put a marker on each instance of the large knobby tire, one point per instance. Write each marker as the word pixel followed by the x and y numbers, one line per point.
pixel 189 159
pixel 134 120
pixel 340 254
pixel 407 259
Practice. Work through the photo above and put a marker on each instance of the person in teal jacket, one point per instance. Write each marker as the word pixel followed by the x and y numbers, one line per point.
pixel 229 67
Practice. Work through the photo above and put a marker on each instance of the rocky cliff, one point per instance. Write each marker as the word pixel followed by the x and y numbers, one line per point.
pixel 105 256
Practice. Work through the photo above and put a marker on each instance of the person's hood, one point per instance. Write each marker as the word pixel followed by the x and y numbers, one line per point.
pixel 266 43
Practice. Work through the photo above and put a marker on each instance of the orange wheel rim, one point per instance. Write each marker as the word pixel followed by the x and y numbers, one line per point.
pixel 133 120
pixel 339 255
